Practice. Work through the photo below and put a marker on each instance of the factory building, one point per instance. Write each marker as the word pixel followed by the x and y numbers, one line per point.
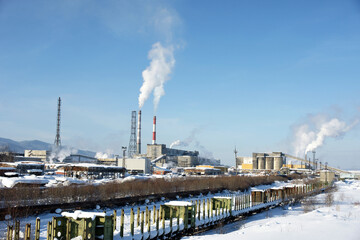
pixel 262 161
pixel 177 157
pixel 327 176
pixel 77 158
pixel 136 165
pixel 42 154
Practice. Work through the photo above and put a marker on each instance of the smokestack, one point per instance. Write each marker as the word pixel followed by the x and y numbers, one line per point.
pixel 154 131
pixel 138 142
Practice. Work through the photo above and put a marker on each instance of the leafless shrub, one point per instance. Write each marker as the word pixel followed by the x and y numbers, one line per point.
pixel 309 205
pixel 329 199
pixel 357 203
pixel 34 195
pixel 342 197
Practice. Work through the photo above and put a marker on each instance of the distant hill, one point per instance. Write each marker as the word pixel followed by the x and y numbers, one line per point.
pixel 21 146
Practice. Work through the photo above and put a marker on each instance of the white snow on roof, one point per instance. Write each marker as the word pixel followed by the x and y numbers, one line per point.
pixel 34 170
pixel 179 203
pixel 223 197
pixel 275 185
pixel 87 165
pixel 81 214
pixel 11 173
pixel 11 182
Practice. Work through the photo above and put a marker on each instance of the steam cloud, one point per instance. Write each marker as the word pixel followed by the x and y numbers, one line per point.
pixel 203 152
pixel 310 136
pixel 157 73
pixel 187 141
pixel 59 154
pixel 179 143
pixel 101 155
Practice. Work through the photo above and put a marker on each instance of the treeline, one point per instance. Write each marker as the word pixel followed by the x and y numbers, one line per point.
pixel 32 196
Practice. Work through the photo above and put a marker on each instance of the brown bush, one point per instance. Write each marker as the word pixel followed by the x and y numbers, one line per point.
pixel 28 196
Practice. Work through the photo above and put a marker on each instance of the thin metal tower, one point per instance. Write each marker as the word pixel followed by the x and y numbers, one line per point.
pixel 132 143
pixel 57 141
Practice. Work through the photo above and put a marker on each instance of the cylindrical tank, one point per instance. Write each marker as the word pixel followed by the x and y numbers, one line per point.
pixel 278 162
pixel 261 162
pixel 255 163
pixel 269 163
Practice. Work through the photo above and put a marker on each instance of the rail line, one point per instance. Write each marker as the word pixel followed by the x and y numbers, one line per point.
pixel 172 221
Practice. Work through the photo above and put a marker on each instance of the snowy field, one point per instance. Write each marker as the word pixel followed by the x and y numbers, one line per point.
pixel 46 217
pixel 314 219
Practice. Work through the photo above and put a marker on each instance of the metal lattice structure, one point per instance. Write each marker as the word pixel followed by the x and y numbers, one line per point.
pixel 57 141
pixel 132 143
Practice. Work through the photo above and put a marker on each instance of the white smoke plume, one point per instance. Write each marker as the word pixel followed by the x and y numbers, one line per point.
pixel 191 139
pixel 169 165
pixel 310 136
pixel 155 75
pixel 203 151
pixel 101 155
pixel 176 143
pixel 187 141
pixel 59 154
pixel 179 143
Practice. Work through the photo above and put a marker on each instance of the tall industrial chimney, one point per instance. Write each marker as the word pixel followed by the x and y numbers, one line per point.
pixel 138 141
pixel 154 131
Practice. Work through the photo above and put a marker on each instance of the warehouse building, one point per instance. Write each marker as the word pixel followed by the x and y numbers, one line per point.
pixel 136 165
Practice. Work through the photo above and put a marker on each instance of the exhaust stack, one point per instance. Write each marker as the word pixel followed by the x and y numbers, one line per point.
pixel 138 141
pixel 154 131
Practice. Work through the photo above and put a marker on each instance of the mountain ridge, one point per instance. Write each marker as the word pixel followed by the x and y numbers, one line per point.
pixel 20 146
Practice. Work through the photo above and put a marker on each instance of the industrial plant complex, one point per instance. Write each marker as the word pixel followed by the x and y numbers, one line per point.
pixel 158 159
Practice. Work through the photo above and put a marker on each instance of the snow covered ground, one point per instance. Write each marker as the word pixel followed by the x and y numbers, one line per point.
pixel 46 217
pixel 314 220
pixel 341 220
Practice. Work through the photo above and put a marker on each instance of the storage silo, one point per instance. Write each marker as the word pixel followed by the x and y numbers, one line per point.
pixel 261 162
pixel 269 163
pixel 278 163
pixel 255 163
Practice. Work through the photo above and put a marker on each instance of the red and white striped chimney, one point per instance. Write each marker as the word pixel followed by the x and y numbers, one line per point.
pixel 154 131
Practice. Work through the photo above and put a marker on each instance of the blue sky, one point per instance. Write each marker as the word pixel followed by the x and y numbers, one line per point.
pixel 246 72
